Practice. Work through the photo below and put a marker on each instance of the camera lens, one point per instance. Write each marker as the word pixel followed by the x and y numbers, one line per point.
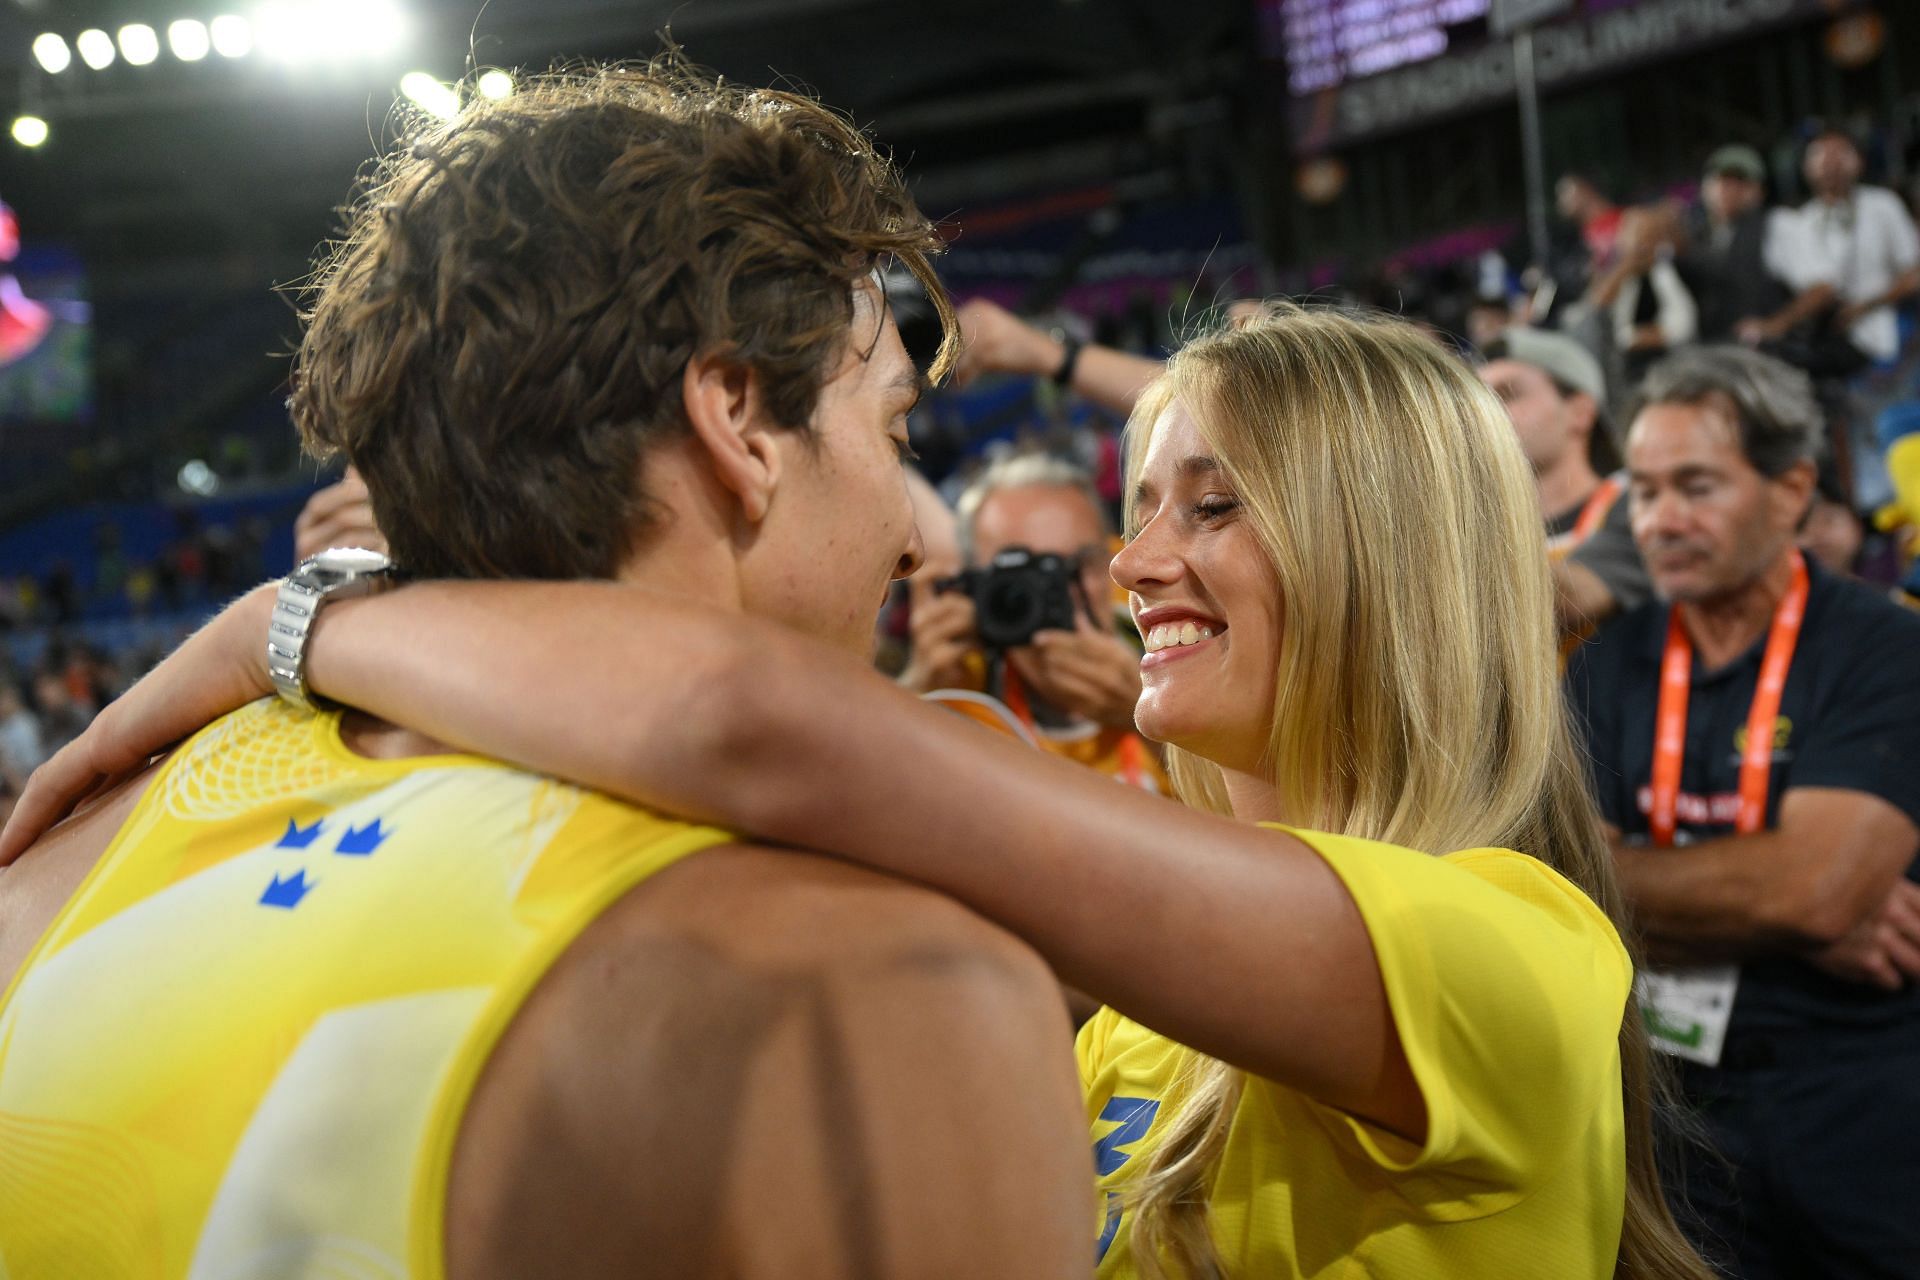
pixel 1013 606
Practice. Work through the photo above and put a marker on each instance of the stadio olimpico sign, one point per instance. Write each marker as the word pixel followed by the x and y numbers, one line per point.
pixel 1563 53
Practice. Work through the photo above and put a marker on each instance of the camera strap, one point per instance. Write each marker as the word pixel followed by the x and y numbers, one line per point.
pixel 1132 754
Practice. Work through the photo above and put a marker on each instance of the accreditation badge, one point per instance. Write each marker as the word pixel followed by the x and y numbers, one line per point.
pixel 1687 1010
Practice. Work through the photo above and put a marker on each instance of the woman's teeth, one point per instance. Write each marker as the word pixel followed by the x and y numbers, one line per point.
pixel 1170 634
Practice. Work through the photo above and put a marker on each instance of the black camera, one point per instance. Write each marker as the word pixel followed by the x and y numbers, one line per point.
pixel 1018 593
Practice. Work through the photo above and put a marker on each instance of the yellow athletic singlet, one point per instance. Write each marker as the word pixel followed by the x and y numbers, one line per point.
pixel 244 1048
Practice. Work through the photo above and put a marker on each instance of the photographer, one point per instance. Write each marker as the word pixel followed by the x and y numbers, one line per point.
pixel 1074 680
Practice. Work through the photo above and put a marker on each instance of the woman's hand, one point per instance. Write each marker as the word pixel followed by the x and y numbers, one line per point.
pixel 220 668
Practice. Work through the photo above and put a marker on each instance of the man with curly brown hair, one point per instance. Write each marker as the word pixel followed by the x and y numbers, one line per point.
pixel 315 995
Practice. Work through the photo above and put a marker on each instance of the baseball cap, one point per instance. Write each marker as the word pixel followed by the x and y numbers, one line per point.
pixel 1739 160
pixel 1563 359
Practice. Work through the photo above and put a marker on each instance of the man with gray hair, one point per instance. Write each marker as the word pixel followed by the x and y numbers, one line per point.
pixel 1074 690
pixel 1754 735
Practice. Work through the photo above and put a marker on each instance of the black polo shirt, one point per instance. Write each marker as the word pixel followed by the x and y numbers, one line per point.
pixel 1849 717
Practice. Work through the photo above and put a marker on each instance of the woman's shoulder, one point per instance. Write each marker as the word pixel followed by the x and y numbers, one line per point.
pixel 1538 885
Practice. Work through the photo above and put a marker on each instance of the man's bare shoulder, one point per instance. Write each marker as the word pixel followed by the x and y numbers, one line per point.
pixel 767 1062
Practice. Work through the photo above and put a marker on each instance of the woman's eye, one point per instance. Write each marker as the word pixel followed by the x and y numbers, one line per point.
pixel 1214 507
pixel 904 449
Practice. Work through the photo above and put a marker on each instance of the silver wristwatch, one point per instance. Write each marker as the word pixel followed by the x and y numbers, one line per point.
pixel 338 573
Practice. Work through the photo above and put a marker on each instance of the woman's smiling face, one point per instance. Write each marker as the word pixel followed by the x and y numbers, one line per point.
pixel 1206 600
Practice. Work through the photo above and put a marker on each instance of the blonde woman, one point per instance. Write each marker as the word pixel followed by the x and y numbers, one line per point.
pixel 1350 1031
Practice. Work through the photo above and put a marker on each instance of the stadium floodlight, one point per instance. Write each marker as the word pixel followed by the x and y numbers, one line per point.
pixel 52 53
pixel 232 36
pixel 139 44
pixel 328 30
pixel 29 131
pixel 188 38
pixel 495 85
pixel 377 27
pixel 96 48
pixel 430 95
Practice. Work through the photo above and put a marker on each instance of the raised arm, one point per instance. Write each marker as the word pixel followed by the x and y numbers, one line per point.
pixel 997 341
pixel 1239 941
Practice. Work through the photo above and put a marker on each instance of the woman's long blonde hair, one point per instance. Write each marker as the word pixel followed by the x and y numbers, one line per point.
pixel 1418 699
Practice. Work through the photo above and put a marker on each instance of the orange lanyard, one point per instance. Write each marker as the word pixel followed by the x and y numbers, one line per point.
pixel 1670 725
pixel 1014 694
pixel 1594 511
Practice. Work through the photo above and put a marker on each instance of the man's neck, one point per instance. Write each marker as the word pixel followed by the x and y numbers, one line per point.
pixel 1727 626
pixel 1834 198
pixel 1566 485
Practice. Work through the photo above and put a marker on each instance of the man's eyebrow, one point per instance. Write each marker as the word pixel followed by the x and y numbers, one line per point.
pixel 911 380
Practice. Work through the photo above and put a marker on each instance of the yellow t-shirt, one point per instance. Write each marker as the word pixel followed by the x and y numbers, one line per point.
pixel 1507 986
pixel 244 1046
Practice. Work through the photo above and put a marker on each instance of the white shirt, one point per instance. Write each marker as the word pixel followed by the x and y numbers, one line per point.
pixel 1678 318
pixel 1859 246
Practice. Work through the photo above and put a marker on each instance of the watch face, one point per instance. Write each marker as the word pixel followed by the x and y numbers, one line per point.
pixel 338 565
pixel 350 560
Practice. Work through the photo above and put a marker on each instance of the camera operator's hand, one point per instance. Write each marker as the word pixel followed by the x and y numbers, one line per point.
pixel 1089 671
pixel 942 631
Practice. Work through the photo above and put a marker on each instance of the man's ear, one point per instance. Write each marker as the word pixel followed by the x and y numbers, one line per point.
pixel 1793 492
pixel 1584 412
pixel 721 397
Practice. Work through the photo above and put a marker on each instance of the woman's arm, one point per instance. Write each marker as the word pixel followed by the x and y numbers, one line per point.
pixel 1236 940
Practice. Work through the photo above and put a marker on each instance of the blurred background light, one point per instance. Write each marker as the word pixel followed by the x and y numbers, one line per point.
pixel 232 36
pixel 495 85
pixel 430 94
pixel 52 54
pixel 29 131
pixel 188 39
pixel 139 44
pixel 198 478
pixel 96 48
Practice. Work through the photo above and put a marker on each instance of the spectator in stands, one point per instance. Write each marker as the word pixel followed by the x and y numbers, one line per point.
pixel 1581 202
pixel 62 717
pixel 1487 319
pixel 1850 253
pixel 1754 737
pixel 1076 689
pixel 1555 394
pixel 1866 241
pixel 20 745
pixel 1724 256
pixel 1649 306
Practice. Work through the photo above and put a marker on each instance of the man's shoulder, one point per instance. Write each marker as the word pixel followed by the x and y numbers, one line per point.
pixel 780 1027
pixel 1880 203
pixel 772 909
pixel 1858 620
